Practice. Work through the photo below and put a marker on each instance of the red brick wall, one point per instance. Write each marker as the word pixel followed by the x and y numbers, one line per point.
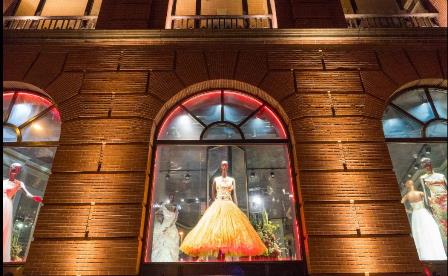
pixel 333 95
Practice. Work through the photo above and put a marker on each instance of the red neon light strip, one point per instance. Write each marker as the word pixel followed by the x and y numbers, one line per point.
pixel 278 122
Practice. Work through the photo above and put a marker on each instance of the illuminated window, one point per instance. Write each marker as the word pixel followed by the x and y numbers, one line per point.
pixel 192 141
pixel 415 127
pixel 221 14
pixel 31 130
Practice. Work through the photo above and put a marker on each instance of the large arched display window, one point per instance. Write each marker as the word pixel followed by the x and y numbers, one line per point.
pixel 31 130
pixel 192 142
pixel 415 127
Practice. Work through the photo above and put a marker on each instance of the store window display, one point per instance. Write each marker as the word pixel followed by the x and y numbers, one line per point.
pixel 415 127
pixel 222 159
pixel 31 129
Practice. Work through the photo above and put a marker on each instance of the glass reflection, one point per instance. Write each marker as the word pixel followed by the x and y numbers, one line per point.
pixel 222 131
pixel 45 128
pixel 180 126
pixel 397 125
pixel 207 107
pixel 238 106
pixel 9 134
pixel 416 103
pixel 7 97
pixel 437 129
pixel 182 194
pixel 36 166
pixel 439 97
pixel 26 107
pixel 264 125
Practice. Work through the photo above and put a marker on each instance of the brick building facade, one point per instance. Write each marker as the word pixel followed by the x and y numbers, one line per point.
pixel 329 84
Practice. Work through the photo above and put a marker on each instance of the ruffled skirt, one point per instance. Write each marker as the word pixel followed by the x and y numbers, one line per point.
pixel 223 227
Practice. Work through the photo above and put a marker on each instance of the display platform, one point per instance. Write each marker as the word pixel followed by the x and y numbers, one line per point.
pixel 254 268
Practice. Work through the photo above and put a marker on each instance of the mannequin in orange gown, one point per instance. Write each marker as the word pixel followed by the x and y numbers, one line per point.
pixel 223 229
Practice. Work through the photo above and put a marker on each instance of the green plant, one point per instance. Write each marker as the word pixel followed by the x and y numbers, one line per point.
pixel 266 230
pixel 16 248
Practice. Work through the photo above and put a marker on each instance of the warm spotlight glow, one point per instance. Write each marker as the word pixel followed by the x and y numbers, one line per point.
pixel 36 126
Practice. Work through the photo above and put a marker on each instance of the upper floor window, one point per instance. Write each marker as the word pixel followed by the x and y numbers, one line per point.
pixel 31 129
pixel 221 14
pixel 389 13
pixel 53 14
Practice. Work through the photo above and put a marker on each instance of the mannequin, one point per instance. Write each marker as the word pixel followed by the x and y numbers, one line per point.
pixel 223 229
pixel 10 187
pixel 425 230
pixel 166 236
pixel 437 198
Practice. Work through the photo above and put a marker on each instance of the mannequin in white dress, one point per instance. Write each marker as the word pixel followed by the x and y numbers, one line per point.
pixel 10 187
pixel 165 245
pixel 425 230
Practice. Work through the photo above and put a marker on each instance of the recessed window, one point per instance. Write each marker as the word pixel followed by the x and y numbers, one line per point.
pixel 415 127
pixel 193 142
pixel 31 130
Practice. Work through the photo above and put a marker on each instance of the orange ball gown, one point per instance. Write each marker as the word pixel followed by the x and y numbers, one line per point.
pixel 223 227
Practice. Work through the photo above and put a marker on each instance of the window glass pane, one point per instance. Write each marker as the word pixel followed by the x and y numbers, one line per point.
pixel 26 107
pixel 66 8
pixel 439 97
pixel 207 107
pixel 46 128
pixel 180 126
pixel 398 125
pixel 238 106
pixel 427 217
pixel 185 7
pixel 263 125
pixel 7 97
pixel 221 7
pixel 19 210
pixel 416 103
pixel 257 7
pixel 437 129
pixel 183 200
pixel 27 8
pixel 221 132
pixel 9 134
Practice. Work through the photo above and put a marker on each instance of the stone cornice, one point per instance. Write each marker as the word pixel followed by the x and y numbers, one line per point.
pixel 417 36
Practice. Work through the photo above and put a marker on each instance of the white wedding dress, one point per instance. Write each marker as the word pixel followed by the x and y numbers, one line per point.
pixel 165 244
pixel 426 234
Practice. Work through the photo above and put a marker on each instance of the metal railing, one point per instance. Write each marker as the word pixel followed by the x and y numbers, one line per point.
pixel 392 21
pixel 221 22
pixel 49 22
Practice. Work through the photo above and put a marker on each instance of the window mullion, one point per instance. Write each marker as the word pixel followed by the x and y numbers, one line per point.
pixel 431 103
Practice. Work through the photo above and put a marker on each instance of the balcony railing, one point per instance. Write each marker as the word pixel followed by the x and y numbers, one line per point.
pixel 392 21
pixel 221 22
pixel 49 22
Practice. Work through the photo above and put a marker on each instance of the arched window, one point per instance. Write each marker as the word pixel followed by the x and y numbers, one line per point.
pixel 192 141
pixel 415 127
pixel 31 130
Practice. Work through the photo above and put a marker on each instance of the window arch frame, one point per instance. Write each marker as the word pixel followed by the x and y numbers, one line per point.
pixel 48 109
pixel 298 228
pixel 424 125
pixel 263 103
